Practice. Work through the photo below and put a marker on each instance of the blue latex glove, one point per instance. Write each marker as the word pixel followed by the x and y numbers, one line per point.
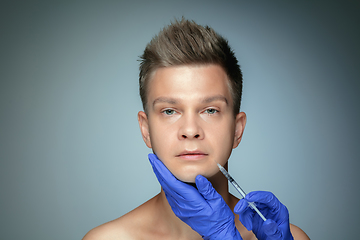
pixel 203 209
pixel 277 224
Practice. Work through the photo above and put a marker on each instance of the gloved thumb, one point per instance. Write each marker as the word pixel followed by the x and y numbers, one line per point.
pixel 246 214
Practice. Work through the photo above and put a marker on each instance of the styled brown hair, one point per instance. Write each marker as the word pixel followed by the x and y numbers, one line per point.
pixel 186 43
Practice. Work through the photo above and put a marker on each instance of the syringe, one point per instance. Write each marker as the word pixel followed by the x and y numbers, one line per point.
pixel 238 188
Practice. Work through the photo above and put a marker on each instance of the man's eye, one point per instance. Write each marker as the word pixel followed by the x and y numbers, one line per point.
pixel 211 111
pixel 169 111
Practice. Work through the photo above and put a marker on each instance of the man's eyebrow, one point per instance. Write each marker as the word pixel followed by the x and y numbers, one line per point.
pixel 210 99
pixel 215 98
pixel 165 100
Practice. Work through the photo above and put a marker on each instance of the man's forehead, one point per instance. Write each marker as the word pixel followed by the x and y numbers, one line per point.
pixel 196 83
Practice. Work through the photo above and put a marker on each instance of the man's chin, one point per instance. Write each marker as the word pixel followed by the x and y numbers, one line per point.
pixel 190 178
pixel 187 179
pixel 188 174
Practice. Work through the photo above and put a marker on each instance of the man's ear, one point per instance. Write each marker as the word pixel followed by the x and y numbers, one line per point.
pixel 240 122
pixel 144 128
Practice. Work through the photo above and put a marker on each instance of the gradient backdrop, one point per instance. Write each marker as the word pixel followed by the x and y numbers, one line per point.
pixel 71 153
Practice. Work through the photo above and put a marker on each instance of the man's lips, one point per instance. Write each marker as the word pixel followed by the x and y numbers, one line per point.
pixel 192 155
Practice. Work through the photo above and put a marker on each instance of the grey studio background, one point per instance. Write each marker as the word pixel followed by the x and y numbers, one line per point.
pixel 71 153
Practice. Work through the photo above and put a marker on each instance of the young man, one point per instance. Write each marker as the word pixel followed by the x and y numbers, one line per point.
pixel 190 86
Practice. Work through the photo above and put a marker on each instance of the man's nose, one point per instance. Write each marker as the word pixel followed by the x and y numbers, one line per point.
pixel 191 128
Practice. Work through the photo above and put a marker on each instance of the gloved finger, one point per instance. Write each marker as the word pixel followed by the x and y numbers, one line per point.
pixel 168 181
pixel 270 228
pixel 260 196
pixel 246 214
pixel 241 206
pixel 164 176
pixel 263 197
pixel 206 189
pixel 161 172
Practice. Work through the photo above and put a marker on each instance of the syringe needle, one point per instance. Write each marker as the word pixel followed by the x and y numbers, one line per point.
pixel 239 189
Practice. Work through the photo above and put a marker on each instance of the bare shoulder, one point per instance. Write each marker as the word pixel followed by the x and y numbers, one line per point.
pixel 119 228
pixel 109 231
pixel 133 225
pixel 298 233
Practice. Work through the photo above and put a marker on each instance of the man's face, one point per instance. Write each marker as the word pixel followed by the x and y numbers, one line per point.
pixel 190 122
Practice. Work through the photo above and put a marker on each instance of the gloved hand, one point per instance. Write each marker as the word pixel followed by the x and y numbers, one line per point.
pixel 277 224
pixel 203 209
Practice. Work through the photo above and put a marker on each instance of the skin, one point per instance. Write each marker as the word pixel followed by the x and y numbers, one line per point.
pixel 189 124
